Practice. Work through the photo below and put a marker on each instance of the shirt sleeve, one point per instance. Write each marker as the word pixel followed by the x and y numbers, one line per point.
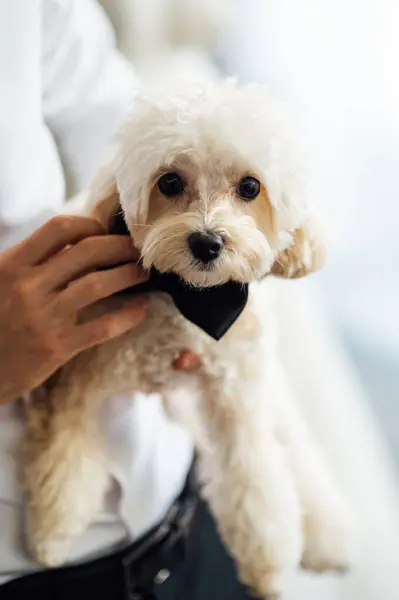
pixel 87 85
pixel 12 234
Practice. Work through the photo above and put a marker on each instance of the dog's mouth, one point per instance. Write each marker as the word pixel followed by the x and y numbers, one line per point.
pixel 204 267
pixel 206 250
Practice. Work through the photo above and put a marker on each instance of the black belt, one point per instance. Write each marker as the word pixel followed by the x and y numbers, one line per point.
pixel 128 574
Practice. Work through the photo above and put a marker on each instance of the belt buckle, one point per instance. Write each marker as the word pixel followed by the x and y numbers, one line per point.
pixel 132 575
pixel 161 559
pixel 166 549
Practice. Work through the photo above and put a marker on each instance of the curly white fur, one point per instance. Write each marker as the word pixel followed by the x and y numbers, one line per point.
pixel 264 479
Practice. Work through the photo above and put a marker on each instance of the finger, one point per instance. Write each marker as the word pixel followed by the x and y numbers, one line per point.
pixel 90 254
pixel 96 286
pixel 112 325
pixel 187 361
pixel 53 236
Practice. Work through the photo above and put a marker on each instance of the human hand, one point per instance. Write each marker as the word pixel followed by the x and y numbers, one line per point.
pixel 46 282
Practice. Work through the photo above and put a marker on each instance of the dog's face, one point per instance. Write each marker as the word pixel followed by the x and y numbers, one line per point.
pixel 208 220
pixel 209 187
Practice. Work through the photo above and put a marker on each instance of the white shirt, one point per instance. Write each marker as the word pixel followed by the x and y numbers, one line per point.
pixel 63 90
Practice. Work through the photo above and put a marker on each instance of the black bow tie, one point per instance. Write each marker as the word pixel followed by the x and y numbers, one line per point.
pixel 213 309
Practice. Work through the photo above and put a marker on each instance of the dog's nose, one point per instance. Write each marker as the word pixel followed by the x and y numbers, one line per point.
pixel 205 246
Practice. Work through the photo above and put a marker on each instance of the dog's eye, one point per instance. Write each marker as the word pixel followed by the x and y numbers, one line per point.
pixel 248 188
pixel 171 184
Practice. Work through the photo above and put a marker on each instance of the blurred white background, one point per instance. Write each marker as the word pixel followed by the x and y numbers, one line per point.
pixel 336 62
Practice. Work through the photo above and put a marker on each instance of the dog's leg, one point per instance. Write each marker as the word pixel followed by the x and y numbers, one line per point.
pixel 328 522
pixel 246 482
pixel 64 472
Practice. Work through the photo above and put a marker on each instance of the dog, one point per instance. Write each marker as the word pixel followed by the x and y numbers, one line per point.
pixel 210 186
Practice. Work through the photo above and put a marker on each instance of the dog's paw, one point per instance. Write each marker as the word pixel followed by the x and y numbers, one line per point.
pixel 267 585
pixel 269 566
pixel 329 540
pixel 48 544
pixel 52 552
pixel 270 586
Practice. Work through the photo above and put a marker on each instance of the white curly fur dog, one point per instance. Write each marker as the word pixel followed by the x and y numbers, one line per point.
pixel 215 159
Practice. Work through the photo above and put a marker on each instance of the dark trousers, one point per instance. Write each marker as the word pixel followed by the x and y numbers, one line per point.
pixel 208 572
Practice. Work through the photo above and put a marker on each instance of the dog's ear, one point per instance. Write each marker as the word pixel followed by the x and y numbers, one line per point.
pixel 305 254
pixel 105 205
